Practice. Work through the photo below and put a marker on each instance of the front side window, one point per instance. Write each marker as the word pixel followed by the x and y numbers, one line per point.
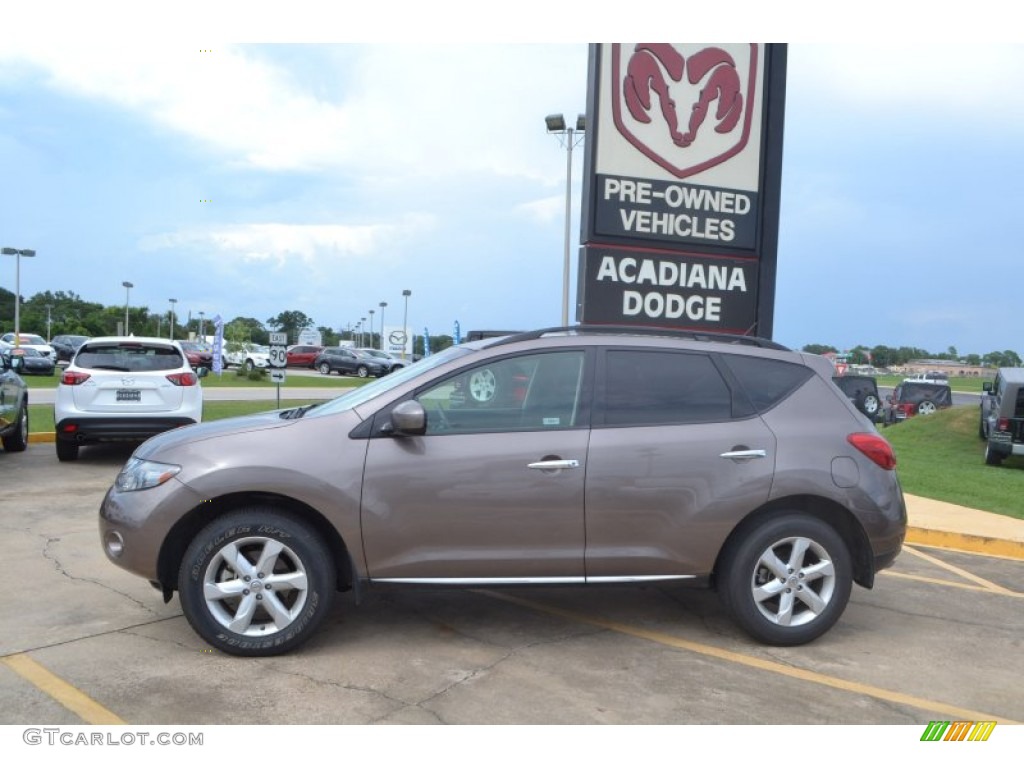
pixel 530 392
pixel 648 387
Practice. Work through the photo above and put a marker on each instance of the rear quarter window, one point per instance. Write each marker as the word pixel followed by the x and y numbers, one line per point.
pixel 765 381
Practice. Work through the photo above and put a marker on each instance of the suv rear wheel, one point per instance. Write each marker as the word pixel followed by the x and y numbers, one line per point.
pixel 66 451
pixel 256 582
pixel 926 408
pixel 787 581
pixel 992 458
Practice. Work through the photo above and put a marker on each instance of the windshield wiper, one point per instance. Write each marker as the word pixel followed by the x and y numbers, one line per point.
pixel 298 413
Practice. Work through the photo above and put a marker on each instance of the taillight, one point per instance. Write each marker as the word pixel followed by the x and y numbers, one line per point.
pixel 875 447
pixel 1002 425
pixel 183 379
pixel 71 378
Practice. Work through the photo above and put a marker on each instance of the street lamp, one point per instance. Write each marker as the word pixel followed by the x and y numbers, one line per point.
pixel 405 321
pixel 173 302
pixel 371 328
pixel 48 308
pixel 382 305
pixel 127 292
pixel 568 139
pixel 202 325
pixel 17 253
pixel 362 324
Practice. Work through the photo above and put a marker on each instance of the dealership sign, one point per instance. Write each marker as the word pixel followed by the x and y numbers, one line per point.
pixel 681 185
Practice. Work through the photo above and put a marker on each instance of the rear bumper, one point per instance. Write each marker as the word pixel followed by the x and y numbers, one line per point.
pixel 104 429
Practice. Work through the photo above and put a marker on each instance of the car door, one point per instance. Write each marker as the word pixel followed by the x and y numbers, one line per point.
pixel 675 460
pixel 493 491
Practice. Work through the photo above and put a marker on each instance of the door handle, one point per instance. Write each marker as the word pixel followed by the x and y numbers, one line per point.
pixel 555 464
pixel 755 453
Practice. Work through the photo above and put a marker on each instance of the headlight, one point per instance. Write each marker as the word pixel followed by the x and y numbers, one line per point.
pixel 138 475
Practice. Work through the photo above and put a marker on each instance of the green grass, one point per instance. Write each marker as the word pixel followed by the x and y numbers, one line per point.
pixel 942 457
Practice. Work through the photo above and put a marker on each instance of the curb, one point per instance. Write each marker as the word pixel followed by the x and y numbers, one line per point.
pixel 965 542
pixel 42 437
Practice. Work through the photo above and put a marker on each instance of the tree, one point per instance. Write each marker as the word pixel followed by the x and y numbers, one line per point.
pixel 247 330
pixel 291 322
pixel 819 349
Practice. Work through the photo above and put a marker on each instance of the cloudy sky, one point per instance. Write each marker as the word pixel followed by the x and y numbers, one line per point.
pixel 309 172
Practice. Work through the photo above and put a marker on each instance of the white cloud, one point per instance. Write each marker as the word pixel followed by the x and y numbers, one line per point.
pixel 281 244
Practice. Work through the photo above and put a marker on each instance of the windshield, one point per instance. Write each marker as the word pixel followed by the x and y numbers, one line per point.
pixel 357 397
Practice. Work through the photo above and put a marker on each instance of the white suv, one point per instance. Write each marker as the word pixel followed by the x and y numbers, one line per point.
pixel 124 388
pixel 248 357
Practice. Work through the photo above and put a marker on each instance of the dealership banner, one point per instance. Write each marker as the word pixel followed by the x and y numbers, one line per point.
pixel 681 185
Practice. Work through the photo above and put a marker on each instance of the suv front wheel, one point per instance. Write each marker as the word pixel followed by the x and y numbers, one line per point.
pixel 788 580
pixel 256 582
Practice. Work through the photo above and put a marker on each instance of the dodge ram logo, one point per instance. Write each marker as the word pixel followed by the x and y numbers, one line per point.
pixel 686 107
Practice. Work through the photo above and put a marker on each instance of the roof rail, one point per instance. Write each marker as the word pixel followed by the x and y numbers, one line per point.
pixel 640 330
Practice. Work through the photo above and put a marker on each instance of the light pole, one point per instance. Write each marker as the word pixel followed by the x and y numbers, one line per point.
pixel 569 139
pixel 17 253
pixel 127 292
pixel 362 324
pixel 382 305
pixel 173 302
pixel 405 321
pixel 371 328
pixel 48 333
pixel 202 325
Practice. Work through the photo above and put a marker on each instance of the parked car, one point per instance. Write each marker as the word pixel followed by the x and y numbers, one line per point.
pixel 729 462
pixel 302 355
pixel 248 357
pixel 199 354
pixel 30 341
pixel 13 404
pixel 1001 424
pixel 917 396
pixel 389 361
pixel 863 393
pixel 349 362
pixel 124 388
pixel 33 361
pixel 65 346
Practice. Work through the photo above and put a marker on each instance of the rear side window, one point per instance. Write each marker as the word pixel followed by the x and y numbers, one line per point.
pixel 767 382
pixel 644 387
pixel 135 358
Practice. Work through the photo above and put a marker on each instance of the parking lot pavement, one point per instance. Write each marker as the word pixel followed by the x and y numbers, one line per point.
pixel 938 637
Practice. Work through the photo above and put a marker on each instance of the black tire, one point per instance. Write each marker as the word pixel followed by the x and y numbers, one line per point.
pixel 926 408
pixel 982 432
pixel 17 440
pixel 325 369
pixel 810 594
pixel 66 450
pixel 249 365
pixel 362 371
pixel 290 546
pixel 992 458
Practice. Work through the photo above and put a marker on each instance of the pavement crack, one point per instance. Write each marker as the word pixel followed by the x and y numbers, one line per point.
pixel 58 566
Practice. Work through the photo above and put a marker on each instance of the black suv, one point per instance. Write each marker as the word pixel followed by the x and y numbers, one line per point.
pixel 863 393
pixel 1002 416
pixel 349 362
pixel 13 403
pixel 915 396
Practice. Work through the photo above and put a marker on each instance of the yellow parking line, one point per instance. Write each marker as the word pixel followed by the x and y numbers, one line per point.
pixel 65 694
pixel 990 586
pixel 927 705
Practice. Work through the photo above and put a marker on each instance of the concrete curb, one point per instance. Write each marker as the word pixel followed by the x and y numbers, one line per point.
pixel 965 542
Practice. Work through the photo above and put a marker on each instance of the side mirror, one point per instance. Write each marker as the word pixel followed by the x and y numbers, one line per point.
pixel 409 418
pixel 17 363
pixel 202 372
pixel 986 386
